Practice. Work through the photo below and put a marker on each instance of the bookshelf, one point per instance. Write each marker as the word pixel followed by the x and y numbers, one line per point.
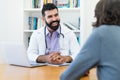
pixel 67 15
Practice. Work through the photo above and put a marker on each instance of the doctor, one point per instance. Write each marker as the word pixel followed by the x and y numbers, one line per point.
pixel 53 43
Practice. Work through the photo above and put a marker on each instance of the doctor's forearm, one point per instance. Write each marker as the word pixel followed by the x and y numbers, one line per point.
pixel 68 59
pixel 41 58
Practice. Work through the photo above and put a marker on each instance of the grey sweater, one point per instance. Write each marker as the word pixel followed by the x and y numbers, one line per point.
pixel 102 49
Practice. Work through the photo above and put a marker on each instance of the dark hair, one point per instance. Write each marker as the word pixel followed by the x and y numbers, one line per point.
pixel 48 6
pixel 107 12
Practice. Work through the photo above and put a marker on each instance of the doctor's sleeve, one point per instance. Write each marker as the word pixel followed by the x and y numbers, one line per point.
pixel 33 48
pixel 74 45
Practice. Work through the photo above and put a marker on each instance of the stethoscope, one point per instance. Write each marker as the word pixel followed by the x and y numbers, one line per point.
pixel 58 36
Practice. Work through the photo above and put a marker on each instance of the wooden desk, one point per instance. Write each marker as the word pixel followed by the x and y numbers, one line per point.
pixel 8 72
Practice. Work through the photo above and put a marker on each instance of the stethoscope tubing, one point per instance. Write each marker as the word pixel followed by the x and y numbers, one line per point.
pixel 57 36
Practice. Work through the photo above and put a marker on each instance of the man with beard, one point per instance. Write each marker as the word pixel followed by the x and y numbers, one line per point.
pixel 54 43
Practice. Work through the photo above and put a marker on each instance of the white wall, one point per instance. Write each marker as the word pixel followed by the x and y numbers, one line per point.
pixel 11 25
pixel 87 18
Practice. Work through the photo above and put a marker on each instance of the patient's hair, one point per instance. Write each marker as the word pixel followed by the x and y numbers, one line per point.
pixel 107 12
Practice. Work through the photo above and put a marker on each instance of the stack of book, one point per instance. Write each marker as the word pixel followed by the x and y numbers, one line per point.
pixel 58 3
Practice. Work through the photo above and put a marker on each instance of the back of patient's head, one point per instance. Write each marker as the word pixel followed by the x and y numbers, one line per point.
pixel 48 6
pixel 107 12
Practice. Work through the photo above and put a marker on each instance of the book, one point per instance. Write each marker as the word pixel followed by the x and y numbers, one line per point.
pixel 39 4
pixel 71 4
pixel 30 23
pixel 62 3
pixel 35 23
pixel 78 3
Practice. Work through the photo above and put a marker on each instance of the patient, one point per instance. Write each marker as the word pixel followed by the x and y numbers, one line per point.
pixel 102 48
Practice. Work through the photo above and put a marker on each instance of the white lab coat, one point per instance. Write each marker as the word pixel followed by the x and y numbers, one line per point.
pixel 68 44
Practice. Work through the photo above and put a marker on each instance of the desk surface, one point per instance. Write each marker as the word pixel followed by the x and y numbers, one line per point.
pixel 9 72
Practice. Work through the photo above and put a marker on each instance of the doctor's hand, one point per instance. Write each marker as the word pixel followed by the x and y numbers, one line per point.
pixel 55 58
pixel 52 58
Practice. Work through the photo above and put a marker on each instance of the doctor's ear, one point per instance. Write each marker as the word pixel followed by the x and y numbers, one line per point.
pixel 43 18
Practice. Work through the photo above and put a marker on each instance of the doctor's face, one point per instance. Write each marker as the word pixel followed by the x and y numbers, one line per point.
pixel 52 19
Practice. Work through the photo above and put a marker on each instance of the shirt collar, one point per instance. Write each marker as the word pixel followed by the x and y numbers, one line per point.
pixel 56 32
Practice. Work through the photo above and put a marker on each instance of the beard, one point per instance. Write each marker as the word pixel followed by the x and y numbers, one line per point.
pixel 53 27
